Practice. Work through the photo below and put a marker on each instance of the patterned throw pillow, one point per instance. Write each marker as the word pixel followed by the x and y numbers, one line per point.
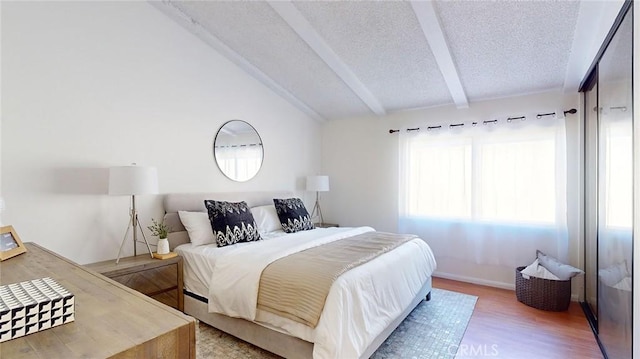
pixel 293 215
pixel 231 222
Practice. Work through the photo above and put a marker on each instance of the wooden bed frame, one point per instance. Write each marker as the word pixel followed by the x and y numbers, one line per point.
pixel 256 334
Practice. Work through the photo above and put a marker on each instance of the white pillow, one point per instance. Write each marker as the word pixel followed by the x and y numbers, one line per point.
pixel 559 269
pixel 614 274
pixel 266 218
pixel 536 270
pixel 624 284
pixel 198 227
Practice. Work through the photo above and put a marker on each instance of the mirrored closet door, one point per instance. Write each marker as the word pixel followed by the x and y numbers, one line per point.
pixel 591 202
pixel 609 194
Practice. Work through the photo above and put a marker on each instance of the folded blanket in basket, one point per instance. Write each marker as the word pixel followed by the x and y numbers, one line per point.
pixel 559 269
pixel 536 270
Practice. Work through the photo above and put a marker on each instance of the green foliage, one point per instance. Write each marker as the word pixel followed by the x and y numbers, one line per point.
pixel 159 229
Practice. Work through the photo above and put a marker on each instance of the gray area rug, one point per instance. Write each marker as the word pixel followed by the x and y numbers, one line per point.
pixel 433 330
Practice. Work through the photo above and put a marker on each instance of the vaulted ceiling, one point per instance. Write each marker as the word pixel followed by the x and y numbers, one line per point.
pixel 338 59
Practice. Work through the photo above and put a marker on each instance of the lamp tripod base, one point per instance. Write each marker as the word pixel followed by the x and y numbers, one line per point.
pixel 316 210
pixel 134 223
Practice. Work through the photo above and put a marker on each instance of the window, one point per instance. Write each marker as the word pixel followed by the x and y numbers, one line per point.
pixel 487 177
pixel 239 162
pixel 617 153
pixel 489 194
pixel 516 181
pixel 439 179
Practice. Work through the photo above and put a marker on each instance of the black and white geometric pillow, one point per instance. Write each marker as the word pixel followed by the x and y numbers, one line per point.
pixel 293 215
pixel 231 222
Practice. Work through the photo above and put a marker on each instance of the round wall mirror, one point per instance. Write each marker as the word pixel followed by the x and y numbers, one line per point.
pixel 238 150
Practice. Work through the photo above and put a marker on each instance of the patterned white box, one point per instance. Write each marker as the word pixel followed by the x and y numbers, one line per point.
pixel 32 306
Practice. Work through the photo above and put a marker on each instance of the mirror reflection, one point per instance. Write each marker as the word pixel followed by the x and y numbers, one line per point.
pixel 238 150
pixel 615 194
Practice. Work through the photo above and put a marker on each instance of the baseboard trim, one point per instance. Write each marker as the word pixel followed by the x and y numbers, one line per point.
pixel 480 281
pixel 488 283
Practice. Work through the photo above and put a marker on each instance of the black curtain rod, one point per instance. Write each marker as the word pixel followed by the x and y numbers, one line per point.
pixel 509 119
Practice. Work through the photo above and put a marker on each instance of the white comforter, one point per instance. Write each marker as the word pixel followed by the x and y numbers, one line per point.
pixel 360 304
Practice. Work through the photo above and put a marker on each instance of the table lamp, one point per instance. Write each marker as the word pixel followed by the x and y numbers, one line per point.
pixel 131 181
pixel 317 184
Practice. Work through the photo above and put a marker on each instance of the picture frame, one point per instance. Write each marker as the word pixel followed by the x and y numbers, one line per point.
pixel 10 243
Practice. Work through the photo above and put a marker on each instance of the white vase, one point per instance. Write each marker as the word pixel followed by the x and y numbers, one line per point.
pixel 163 246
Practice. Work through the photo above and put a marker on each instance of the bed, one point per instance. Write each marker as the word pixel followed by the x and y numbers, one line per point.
pixel 363 306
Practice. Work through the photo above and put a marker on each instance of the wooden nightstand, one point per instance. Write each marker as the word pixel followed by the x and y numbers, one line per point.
pixel 111 320
pixel 159 279
pixel 326 225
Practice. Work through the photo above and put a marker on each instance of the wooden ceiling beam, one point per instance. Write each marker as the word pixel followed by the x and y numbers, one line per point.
pixel 432 30
pixel 292 16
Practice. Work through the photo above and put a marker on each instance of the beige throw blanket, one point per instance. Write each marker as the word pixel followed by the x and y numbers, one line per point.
pixel 296 286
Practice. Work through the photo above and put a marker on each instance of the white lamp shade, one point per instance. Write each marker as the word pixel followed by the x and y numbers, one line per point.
pixel 318 183
pixel 131 180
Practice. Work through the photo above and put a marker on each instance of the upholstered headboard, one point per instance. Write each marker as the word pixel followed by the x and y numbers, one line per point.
pixel 194 202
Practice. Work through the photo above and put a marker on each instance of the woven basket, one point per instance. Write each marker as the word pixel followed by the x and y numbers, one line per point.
pixel 545 294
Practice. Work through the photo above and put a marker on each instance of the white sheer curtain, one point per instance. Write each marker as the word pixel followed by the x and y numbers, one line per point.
pixel 486 194
pixel 615 228
pixel 616 151
pixel 243 162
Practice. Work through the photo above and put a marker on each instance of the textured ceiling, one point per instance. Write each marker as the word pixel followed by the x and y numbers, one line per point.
pixel 510 47
pixel 338 59
pixel 401 74
pixel 257 33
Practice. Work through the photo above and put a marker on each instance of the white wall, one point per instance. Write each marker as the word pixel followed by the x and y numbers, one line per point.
pixel 89 85
pixel 361 158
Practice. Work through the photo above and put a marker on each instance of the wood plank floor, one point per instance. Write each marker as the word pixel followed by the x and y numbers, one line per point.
pixel 502 327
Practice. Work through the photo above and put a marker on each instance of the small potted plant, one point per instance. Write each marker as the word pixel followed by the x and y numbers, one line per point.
pixel 160 230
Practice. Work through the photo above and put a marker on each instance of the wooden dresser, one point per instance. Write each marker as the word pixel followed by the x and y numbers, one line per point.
pixel 111 320
pixel 159 279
